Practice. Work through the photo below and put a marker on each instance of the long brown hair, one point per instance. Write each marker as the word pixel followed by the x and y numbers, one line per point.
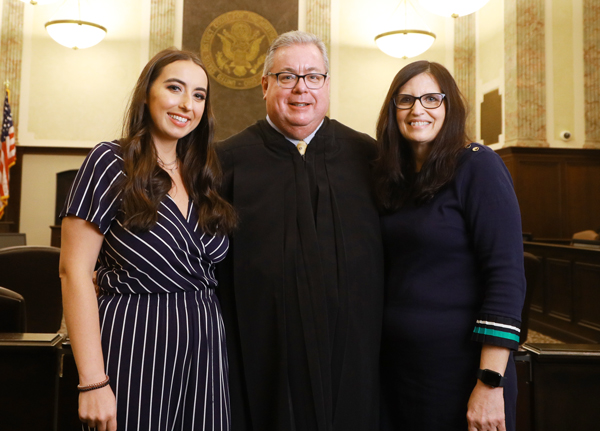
pixel 146 184
pixel 395 178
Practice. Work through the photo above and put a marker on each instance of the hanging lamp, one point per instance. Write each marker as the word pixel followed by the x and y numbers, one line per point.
pixel 402 41
pixel 453 8
pixel 73 25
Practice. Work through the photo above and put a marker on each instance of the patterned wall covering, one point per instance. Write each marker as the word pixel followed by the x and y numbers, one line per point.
pixel 318 20
pixel 11 50
pixel 525 73
pixel 162 25
pixel 465 63
pixel 591 50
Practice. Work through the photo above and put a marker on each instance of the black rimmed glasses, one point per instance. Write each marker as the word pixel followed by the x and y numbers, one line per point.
pixel 314 81
pixel 428 101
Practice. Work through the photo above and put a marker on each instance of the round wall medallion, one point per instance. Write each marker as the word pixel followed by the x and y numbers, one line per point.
pixel 234 46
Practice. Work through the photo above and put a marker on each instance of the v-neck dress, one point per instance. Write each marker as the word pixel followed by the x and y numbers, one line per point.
pixel 162 334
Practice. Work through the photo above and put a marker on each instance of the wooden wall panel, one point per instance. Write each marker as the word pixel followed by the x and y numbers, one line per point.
pixel 557 189
pixel 537 187
pixel 582 186
pixel 559 291
pixel 588 300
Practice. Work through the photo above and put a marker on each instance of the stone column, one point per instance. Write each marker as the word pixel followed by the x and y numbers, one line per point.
pixel 162 25
pixel 11 51
pixel 591 60
pixel 465 67
pixel 524 73
pixel 318 20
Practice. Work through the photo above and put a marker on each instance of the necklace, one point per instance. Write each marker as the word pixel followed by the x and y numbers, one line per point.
pixel 171 166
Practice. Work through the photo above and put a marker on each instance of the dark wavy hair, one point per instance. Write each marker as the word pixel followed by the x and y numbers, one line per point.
pixel 396 181
pixel 146 184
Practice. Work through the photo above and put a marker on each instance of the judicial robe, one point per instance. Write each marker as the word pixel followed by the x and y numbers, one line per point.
pixel 302 287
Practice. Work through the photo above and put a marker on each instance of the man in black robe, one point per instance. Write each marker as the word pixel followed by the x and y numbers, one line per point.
pixel 302 287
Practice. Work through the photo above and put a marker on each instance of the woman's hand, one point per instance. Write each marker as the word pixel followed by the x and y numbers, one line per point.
pixel 98 408
pixel 486 409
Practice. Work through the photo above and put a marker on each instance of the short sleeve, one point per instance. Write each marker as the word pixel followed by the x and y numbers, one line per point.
pixel 494 222
pixel 92 196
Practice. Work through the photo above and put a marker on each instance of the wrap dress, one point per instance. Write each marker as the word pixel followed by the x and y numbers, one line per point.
pixel 161 328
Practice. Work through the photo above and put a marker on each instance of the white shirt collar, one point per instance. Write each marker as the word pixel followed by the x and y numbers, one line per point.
pixel 295 141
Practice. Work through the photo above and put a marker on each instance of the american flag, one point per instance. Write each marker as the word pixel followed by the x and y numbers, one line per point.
pixel 8 153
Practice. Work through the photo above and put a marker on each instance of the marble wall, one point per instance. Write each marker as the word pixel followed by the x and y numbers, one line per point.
pixel 591 49
pixel 162 25
pixel 11 51
pixel 525 73
pixel 465 72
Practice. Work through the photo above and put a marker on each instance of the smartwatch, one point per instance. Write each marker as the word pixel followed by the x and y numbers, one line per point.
pixel 491 378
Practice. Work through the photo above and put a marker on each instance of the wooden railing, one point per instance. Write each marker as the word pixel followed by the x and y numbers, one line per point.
pixel 567 304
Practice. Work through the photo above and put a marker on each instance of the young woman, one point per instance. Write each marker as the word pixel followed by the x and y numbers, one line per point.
pixel 455 283
pixel 144 212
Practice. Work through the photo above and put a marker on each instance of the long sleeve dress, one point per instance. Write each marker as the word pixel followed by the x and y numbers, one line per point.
pixel 454 279
pixel 162 334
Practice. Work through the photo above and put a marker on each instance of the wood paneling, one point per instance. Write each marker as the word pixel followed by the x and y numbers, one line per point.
pixel 557 189
pixel 588 300
pixel 567 304
pixel 582 185
pixel 559 291
pixel 10 221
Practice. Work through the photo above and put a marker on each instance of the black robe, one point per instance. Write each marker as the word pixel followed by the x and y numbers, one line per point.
pixel 302 288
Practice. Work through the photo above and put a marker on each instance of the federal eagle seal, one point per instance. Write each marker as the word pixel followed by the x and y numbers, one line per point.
pixel 234 46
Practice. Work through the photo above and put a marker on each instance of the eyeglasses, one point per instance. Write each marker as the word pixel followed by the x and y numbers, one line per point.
pixel 428 101
pixel 314 81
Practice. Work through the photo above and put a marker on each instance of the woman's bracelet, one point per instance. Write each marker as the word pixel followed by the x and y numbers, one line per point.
pixel 93 386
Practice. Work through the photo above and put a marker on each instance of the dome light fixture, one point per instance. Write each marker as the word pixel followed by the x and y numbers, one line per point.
pixel 405 41
pixel 453 8
pixel 72 25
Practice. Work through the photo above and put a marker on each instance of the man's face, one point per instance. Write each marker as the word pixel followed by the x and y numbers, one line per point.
pixel 297 111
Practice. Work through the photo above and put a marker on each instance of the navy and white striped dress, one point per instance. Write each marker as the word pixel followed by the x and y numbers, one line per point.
pixel 162 334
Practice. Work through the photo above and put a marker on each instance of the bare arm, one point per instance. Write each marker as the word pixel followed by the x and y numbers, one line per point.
pixel 81 243
pixel 486 405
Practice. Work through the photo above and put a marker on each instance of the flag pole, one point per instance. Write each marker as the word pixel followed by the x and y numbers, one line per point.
pixel 6 87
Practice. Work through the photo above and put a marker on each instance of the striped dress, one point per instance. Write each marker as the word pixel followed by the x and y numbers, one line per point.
pixel 162 334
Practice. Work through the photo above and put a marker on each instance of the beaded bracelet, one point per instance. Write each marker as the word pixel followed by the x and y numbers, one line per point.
pixel 93 386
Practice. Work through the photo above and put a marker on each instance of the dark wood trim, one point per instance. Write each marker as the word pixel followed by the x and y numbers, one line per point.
pixel 54 151
pixel 12 215
pixel 551 152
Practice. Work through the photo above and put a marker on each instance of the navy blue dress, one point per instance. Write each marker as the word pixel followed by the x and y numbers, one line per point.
pixel 162 334
pixel 454 280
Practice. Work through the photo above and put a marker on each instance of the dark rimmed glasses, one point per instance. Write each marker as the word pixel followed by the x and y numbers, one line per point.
pixel 428 101
pixel 314 81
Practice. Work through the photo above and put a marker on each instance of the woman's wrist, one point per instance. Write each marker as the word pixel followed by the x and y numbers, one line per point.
pixel 93 386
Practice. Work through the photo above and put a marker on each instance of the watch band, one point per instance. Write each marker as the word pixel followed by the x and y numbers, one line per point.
pixel 491 378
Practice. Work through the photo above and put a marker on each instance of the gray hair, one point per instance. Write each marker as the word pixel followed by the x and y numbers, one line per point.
pixel 295 37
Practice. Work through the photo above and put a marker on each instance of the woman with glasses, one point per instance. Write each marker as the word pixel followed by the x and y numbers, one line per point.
pixel 454 263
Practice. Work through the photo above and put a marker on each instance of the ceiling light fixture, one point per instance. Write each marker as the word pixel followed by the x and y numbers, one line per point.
pixel 72 25
pixel 405 42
